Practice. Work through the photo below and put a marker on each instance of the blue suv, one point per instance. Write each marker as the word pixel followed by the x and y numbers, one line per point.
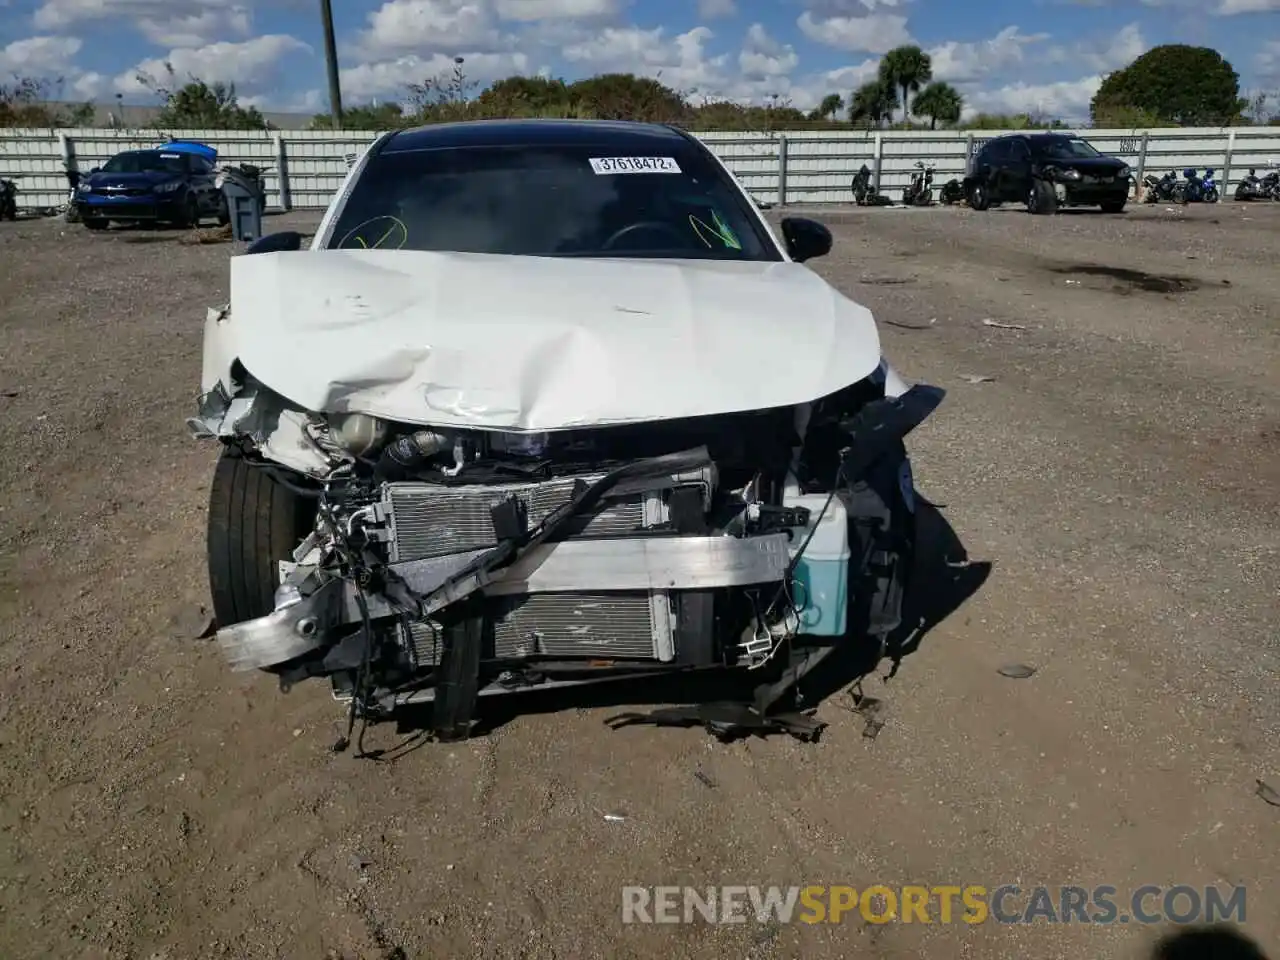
pixel 174 183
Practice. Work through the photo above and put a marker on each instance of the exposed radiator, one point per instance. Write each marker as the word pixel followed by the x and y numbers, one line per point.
pixel 563 625
pixel 431 520
pixel 428 520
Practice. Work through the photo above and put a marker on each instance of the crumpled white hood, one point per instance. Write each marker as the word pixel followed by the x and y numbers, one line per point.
pixel 530 343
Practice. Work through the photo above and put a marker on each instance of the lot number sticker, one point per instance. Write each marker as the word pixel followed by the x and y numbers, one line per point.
pixel 609 165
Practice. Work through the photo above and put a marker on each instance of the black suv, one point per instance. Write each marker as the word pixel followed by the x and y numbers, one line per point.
pixel 1046 171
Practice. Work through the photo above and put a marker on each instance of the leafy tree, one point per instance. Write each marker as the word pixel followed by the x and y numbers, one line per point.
pixel 624 96
pixel 830 106
pixel 381 116
pixel 27 102
pixel 197 105
pixel 524 96
pixel 939 101
pixel 1011 121
pixel 1174 84
pixel 872 103
pixel 907 69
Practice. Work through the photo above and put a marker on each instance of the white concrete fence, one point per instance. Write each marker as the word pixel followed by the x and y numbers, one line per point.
pixel 305 167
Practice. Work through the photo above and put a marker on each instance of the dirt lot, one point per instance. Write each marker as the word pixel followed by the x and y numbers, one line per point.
pixel 1121 470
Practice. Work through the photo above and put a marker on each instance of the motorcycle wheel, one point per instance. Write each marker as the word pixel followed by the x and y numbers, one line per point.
pixel 1211 196
pixel 925 199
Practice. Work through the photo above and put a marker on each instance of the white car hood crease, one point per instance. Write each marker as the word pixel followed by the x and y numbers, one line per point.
pixel 519 343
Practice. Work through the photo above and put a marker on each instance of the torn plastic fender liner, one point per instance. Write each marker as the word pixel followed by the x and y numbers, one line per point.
pixel 880 425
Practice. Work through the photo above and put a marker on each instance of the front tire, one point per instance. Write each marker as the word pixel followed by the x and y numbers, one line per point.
pixel 1041 200
pixel 190 216
pixel 254 522
pixel 979 198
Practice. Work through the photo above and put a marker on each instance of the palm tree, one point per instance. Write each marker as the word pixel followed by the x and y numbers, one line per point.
pixel 939 101
pixel 831 105
pixel 872 103
pixel 906 69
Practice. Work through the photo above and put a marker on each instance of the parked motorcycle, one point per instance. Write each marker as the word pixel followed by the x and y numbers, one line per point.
pixel 1269 185
pixel 1159 189
pixel 1198 189
pixel 919 192
pixel 863 194
pixel 1250 187
pixel 72 212
pixel 1209 187
pixel 952 192
pixel 8 199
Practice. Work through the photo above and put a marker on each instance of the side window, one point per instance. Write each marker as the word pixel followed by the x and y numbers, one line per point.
pixel 200 165
pixel 997 152
pixel 1019 150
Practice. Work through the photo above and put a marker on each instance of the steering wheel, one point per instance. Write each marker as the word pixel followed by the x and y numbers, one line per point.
pixel 654 226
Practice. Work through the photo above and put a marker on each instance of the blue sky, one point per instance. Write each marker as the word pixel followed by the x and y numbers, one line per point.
pixel 1043 55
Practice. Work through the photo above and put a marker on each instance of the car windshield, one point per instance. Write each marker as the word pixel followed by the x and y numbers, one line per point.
pixel 145 161
pixel 1068 148
pixel 551 201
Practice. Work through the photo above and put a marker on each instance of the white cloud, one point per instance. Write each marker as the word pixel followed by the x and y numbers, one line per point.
pixel 244 64
pixel 877 33
pixel 1267 60
pixel 39 56
pixel 174 23
pixel 680 62
pixel 197 29
pixel 529 10
pixel 90 86
pixel 962 62
pixel 391 78
pixel 763 57
pixel 1113 53
pixel 1065 99
pixel 844 80
pixel 716 9
pixel 421 27
pixel 1230 8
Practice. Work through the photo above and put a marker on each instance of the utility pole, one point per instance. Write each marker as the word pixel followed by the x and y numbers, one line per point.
pixel 331 60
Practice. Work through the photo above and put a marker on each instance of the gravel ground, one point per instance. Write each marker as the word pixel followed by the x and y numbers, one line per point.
pixel 1121 470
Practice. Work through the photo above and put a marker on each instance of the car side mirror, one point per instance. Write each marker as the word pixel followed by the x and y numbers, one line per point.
pixel 285 240
pixel 805 238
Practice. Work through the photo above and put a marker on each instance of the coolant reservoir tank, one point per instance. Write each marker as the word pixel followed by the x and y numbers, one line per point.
pixel 820 586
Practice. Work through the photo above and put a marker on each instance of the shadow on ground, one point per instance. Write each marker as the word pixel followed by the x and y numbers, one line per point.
pixel 944 578
pixel 1207 943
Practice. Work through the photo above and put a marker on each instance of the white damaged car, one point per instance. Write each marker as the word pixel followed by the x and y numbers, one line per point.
pixel 548 403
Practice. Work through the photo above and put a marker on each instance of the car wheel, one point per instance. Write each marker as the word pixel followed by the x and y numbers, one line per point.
pixel 1113 206
pixel 95 223
pixel 1041 200
pixel 255 522
pixel 979 198
pixel 190 214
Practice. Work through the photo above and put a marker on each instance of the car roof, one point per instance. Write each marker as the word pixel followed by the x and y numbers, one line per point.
pixel 622 135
